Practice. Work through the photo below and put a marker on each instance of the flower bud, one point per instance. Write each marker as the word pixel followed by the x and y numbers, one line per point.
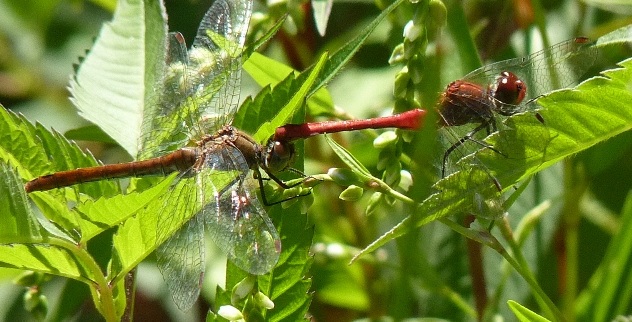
pixel 230 313
pixel 352 193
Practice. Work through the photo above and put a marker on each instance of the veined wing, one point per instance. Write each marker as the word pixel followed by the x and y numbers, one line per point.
pixel 181 257
pixel 236 221
pixel 544 71
pixel 216 60
pixel 165 121
pixel 218 198
pixel 200 89
pixel 181 261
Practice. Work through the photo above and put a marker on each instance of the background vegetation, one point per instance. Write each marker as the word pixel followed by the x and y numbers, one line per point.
pixel 569 222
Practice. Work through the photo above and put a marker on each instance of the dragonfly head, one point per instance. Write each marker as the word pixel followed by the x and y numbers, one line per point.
pixel 509 90
pixel 278 155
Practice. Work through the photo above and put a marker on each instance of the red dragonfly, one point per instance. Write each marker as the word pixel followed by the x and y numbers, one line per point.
pixel 509 87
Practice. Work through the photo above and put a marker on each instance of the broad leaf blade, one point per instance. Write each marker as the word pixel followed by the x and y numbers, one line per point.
pixel 117 76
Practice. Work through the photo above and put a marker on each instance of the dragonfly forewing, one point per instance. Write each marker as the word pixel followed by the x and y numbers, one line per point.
pixel 199 84
pixel 544 71
pixel 216 59
pixel 165 122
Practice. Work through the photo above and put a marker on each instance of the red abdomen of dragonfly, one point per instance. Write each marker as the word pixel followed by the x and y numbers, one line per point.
pixel 464 102
pixel 509 90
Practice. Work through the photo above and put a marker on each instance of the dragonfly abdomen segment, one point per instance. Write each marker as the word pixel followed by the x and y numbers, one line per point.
pixel 179 160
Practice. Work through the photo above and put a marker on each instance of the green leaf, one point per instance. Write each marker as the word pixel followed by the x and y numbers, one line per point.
pixel 19 148
pixel 104 213
pixel 269 72
pixel 266 71
pixel 89 133
pixel 349 159
pixel 116 78
pixel 265 38
pixel 575 119
pixel 135 239
pixel 48 258
pixel 34 150
pixel 18 223
pixel 23 242
pixel 609 291
pixel 524 314
pixel 344 54
pixel 273 107
pixel 296 101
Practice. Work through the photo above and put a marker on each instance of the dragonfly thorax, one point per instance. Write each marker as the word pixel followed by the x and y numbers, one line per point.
pixel 464 102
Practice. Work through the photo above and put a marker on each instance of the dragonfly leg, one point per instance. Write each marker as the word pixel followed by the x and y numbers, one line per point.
pixel 489 126
pixel 281 184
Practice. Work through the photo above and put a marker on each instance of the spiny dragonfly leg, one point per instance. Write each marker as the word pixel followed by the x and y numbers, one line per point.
pixel 489 126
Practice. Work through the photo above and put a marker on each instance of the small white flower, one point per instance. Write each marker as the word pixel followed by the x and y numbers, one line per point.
pixel 406 180
pixel 335 250
pixel 264 301
pixel 230 313
pixel 411 32
pixel 244 287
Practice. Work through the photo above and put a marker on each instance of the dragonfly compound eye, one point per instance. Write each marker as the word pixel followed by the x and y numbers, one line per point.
pixel 510 90
pixel 280 155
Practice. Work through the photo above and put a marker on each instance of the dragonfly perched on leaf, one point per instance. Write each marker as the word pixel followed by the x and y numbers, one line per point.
pixel 510 87
pixel 493 93
pixel 213 192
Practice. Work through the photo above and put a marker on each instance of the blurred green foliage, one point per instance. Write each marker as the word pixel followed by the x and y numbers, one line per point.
pixel 431 271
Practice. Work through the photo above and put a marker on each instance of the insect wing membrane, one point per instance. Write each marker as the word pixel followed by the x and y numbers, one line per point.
pixel 552 68
pixel 181 256
pixel 165 121
pixel 237 222
pixel 216 61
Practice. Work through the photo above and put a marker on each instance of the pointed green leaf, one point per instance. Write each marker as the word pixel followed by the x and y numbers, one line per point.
pixel 18 223
pixel 348 158
pixel 105 213
pixel 524 314
pixel 116 77
pixel 344 54
pixel 297 99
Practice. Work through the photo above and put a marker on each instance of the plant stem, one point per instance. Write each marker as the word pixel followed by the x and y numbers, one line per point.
pixel 520 265
pixel 104 300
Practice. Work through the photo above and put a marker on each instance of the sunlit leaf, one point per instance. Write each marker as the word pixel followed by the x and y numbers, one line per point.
pixel 115 79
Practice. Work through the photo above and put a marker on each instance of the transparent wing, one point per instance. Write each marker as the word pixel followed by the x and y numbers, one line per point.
pixel 215 62
pixel 553 68
pixel 181 262
pixel 166 120
pixel 181 256
pixel 237 222
pixel 200 90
